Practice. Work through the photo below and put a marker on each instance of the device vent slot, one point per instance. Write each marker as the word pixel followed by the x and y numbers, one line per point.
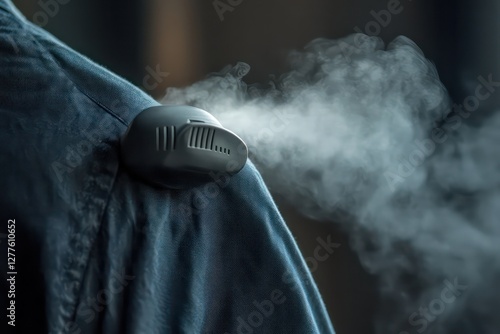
pixel 204 143
pixel 172 137
pixel 157 139
pixel 165 138
pixel 199 137
pixel 210 139
pixel 192 136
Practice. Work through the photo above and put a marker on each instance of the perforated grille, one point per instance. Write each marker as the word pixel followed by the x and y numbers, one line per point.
pixel 203 138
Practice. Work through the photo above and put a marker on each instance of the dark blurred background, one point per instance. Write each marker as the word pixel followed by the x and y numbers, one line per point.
pixel 190 38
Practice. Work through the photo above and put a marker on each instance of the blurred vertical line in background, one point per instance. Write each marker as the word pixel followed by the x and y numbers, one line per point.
pixel 109 32
pixel 173 44
pixel 479 50
pixel 468 35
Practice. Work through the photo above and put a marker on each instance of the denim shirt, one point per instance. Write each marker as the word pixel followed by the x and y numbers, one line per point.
pixel 98 251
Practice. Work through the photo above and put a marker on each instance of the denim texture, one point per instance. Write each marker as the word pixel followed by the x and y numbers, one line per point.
pixel 101 252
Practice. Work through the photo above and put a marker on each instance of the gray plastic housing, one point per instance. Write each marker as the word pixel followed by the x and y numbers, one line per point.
pixel 180 146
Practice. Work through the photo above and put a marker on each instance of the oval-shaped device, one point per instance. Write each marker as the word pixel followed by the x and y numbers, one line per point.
pixel 180 146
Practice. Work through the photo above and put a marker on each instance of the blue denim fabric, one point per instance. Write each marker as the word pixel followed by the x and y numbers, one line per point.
pixel 101 252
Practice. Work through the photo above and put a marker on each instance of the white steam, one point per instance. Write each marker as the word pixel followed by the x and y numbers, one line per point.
pixel 356 133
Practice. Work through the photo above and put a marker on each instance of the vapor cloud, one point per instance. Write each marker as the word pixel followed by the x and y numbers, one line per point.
pixel 365 135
